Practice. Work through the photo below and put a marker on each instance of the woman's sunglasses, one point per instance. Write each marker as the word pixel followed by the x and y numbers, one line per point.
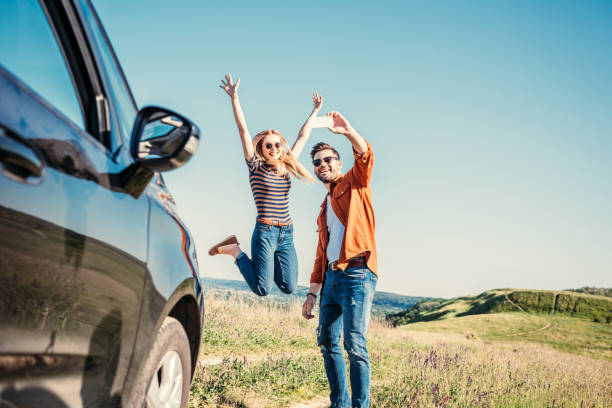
pixel 328 159
pixel 269 145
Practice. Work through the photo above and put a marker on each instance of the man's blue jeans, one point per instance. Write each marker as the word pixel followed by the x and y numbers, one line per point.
pixel 274 258
pixel 346 303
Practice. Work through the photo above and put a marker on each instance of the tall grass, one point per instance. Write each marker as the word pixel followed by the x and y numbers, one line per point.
pixel 238 325
pixel 487 376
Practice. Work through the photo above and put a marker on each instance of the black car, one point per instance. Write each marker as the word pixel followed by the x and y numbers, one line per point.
pixel 100 298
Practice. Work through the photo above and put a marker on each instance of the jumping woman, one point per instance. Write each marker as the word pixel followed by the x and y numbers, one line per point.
pixel 270 163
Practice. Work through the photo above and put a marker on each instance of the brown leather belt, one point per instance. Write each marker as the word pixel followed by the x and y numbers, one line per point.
pixel 352 263
pixel 274 223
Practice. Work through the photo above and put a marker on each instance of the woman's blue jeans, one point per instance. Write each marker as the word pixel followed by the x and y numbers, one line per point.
pixel 274 259
pixel 346 303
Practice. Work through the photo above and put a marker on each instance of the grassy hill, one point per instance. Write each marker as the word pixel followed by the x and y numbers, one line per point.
pixel 592 307
pixel 384 302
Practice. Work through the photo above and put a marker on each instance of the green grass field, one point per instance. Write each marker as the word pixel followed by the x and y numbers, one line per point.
pixel 258 355
pixel 574 335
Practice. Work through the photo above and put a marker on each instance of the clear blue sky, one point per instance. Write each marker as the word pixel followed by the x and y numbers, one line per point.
pixel 491 124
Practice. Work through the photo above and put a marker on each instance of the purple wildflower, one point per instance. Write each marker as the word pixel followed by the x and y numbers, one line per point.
pixel 413 399
pixel 434 389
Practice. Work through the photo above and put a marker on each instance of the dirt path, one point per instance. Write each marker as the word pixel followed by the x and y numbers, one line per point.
pixel 317 402
pixel 251 357
pixel 545 327
pixel 514 304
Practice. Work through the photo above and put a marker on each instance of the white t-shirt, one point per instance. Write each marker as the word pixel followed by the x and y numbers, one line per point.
pixel 336 233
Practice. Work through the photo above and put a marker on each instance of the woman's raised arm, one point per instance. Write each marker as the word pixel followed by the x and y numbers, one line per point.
pixel 304 132
pixel 231 88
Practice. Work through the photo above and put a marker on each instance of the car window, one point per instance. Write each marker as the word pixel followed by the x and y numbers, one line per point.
pixel 29 50
pixel 125 109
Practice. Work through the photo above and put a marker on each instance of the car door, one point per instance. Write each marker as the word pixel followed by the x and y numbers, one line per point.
pixel 72 242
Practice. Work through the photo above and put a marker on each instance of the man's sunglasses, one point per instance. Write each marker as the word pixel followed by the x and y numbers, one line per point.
pixel 328 159
pixel 269 145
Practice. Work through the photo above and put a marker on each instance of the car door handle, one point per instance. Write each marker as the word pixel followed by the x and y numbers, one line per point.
pixel 19 161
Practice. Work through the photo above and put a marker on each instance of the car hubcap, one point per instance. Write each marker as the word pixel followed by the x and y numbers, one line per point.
pixel 166 386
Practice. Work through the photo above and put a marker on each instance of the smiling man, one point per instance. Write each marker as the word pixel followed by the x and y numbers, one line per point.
pixel 345 266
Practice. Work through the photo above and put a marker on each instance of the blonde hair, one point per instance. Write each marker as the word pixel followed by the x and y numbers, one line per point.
pixel 286 163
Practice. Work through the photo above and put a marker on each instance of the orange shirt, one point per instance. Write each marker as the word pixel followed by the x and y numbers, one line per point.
pixel 351 199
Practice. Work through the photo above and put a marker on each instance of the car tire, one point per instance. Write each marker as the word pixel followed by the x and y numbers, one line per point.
pixel 166 375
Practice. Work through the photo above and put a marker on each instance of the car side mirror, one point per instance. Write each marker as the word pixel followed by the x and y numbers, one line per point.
pixel 163 140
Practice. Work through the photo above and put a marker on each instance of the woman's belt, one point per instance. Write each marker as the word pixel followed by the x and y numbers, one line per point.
pixel 274 223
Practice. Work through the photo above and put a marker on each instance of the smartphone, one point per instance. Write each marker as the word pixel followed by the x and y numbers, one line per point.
pixel 322 122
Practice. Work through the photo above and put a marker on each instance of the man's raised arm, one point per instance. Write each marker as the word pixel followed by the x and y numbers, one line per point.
pixel 343 127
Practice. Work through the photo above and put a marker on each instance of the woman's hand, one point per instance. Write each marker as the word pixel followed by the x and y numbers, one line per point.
pixel 231 88
pixel 304 133
pixel 317 101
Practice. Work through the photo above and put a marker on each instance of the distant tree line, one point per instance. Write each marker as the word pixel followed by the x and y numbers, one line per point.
pixel 593 291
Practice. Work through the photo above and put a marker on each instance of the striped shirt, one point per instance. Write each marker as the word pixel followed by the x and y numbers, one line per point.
pixel 270 191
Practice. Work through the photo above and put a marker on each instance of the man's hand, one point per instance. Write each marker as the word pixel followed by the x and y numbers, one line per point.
pixel 307 307
pixel 341 125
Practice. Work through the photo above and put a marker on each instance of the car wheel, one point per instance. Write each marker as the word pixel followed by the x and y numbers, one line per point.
pixel 166 375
